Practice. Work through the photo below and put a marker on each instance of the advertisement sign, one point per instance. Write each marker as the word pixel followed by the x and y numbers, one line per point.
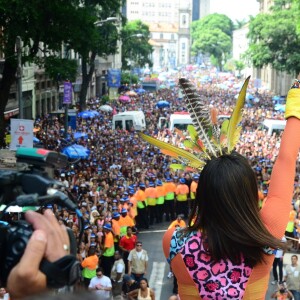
pixel 67 93
pixel 114 78
pixel 21 134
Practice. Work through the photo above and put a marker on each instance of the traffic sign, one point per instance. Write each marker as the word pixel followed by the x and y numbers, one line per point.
pixel 21 133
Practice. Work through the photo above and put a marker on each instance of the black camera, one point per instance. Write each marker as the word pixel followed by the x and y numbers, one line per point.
pixel 34 185
pixel 282 290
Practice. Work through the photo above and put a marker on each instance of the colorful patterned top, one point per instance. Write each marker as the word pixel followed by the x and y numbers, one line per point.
pixel 199 277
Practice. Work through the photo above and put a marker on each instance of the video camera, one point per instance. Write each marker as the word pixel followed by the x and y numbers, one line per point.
pixel 34 185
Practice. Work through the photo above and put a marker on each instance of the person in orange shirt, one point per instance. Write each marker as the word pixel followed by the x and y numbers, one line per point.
pixel 142 216
pixel 89 265
pixel 179 222
pixel 132 211
pixel 107 259
pixel 182 191
pixel 151 195
pixel 169 206
pixel 125 221
pixel 193 190
pixel 116 229
pixel 161 193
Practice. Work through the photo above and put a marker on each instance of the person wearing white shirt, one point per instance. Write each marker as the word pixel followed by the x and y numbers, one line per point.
pixel 101 285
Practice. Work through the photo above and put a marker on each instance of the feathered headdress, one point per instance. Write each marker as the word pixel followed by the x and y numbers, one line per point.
pixel 206 139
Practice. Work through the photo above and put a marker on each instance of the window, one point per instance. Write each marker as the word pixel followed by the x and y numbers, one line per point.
pixel 184 19
pixel 118 125
pixel 161 36
pixel 128 125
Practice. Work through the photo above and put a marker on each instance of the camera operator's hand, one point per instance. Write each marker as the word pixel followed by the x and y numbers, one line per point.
pixel 48 241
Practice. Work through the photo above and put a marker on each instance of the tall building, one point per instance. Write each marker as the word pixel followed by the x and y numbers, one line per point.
pixel 169 23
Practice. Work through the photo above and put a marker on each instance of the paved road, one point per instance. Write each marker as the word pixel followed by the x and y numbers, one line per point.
pixel 159 268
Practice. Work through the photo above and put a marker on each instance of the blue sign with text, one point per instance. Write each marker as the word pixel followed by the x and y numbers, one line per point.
pixel 114 78
pixel 67 93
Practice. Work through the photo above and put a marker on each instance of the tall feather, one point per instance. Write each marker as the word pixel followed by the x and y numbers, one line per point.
pixel 183 155
pixel 236 117
pixel 200 114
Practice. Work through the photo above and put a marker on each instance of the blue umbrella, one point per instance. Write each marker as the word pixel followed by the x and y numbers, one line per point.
pixel 162 104
pixel 280 107
pixel 276 98
pixel 76 151
pixel 140 91
pixel 96 113
pixel 36 140
pixel 78 135
pixel 86 114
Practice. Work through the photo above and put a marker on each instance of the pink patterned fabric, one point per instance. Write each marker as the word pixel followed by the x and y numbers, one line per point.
pixel 215 280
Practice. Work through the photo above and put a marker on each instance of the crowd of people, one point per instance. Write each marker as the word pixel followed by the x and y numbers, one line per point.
pixel 125 185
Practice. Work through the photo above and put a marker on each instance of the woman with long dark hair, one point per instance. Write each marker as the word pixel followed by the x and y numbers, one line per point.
pixel 226 252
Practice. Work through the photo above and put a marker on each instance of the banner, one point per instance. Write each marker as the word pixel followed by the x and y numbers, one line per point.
pixel 21 134
pixel 114 78
pixel 67 93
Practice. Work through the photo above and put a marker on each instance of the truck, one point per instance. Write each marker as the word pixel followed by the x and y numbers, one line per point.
pixel 273 125
pixel 181 120
pixel 128 120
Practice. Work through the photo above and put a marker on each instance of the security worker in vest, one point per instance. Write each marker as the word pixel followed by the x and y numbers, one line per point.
pixel 142 216
pixel 170 189
pixel 151 195
pixel 161 193
pixel 182 191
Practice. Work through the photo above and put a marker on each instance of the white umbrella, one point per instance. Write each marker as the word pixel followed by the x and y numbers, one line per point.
pixel 106 108
pixel 14 208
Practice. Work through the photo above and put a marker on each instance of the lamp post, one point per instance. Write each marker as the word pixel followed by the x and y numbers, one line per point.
pixel 19 75
pixel 109 19
pixel 130 63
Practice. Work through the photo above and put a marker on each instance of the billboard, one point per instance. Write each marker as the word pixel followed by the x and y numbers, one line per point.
pixel 114 78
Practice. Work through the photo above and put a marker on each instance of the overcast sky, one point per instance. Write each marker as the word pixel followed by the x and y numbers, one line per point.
pixel 235 9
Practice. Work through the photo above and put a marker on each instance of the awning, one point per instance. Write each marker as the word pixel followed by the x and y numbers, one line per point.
pixel 8 114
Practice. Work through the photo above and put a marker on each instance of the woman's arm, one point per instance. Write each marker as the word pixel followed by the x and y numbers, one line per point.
pixel 152 295
pixel 278 204
pixel 133 294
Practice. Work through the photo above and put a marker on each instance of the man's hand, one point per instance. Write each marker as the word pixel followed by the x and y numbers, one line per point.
pixel 48 241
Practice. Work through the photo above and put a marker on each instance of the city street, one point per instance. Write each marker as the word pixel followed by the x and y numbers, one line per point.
pixel 159 268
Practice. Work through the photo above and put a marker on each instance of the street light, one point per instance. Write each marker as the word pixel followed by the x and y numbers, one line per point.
pixel 109 19
pixel 137 35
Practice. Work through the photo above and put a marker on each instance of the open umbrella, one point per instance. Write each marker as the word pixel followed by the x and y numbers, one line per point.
pixel 162 86
pixel 35 139
pixel 131 93
pixel 87 114
pixel 276 98
pixel 140 91
pixel 162 104
pixel 76 151
pixel 77 135
pixel 280 107
pixel 106 108
pixel 124 98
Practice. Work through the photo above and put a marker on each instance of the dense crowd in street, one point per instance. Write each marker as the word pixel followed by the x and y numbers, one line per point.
pixel 126 185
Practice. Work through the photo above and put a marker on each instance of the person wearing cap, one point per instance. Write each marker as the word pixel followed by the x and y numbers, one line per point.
pixel 138 261
pixel 160 201
pixel 116 229
pixel 107 258
pixel 126 244
pixel 133 205
pixel 151 195
pixel 125 221
pixel 182 191
pixel 116 276
pixel 129 284
pixel 142 214
pixel 193 189
pixel 170 189
pixel 89 265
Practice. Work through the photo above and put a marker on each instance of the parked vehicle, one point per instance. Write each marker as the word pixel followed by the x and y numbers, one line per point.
pixel 128 120
pixel 272 125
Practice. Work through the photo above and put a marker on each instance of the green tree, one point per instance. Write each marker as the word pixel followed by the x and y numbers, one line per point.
pixel 275 45
pixel 239 66
pixel 128 78
pixel 212 35
pixel 135 47
pixel 47 23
